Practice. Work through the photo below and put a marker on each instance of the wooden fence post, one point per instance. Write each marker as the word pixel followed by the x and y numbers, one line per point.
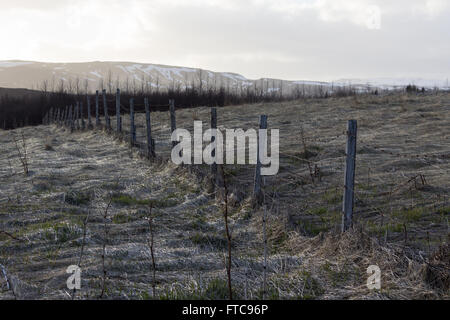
pixel 150 141
pixel 61 116
pixel 119 124
pixel 349 187
pixel 132 126
pixel 173 123
pixel 57 116
pixel 71 123
pixel 88 102
pixel 78 116
pixel 257 190
pixel 213 140
pixel 66 116
pixel 77 124
pixel 97 116
pixel 83 123
pixel 105 107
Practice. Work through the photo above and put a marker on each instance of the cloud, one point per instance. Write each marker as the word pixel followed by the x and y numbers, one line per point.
pixel 359 12
pixel 295 39
pixel 436 7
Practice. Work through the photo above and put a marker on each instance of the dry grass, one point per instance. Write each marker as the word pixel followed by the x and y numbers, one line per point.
pixel 402 184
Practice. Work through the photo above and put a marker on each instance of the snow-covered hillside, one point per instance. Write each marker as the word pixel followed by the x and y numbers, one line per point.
pixel 34 75
pixel 95 75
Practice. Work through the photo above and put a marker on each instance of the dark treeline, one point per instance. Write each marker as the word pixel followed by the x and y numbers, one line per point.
pixel 23 110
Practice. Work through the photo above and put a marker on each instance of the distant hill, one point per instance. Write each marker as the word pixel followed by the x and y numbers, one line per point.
pixel 18 92
pixel 94 75
pixel 109 75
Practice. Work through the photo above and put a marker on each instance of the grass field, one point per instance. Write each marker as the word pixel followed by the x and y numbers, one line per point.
pixel 401 210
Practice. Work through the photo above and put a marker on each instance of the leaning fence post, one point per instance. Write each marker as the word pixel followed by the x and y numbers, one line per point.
pixel 173 123
pixel 349 187
pixel 257 191
pixel 105 107
pixel 150 142
pixel 213 140
pixel 119 126
pixel 97 116
pixel 132 127
pixel 88 102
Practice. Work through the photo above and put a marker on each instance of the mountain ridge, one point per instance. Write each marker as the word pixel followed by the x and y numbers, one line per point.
pixel 93 75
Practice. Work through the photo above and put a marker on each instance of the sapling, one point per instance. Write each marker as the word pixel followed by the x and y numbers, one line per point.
pixel 105 239
pixel 151 246
pixel 227 232
pixel 22 154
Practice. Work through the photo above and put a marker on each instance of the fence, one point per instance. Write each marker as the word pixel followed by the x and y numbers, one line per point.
pixel 322 198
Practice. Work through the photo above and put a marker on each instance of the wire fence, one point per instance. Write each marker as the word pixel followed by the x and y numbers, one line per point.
pixel 397 195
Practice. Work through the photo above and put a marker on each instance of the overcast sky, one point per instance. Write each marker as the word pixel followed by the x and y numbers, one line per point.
pixel 289 39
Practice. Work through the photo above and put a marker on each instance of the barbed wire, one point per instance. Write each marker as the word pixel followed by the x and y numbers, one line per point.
pixel 410 156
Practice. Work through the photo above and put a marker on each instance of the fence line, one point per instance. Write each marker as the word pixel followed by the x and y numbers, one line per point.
pixel 70 116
